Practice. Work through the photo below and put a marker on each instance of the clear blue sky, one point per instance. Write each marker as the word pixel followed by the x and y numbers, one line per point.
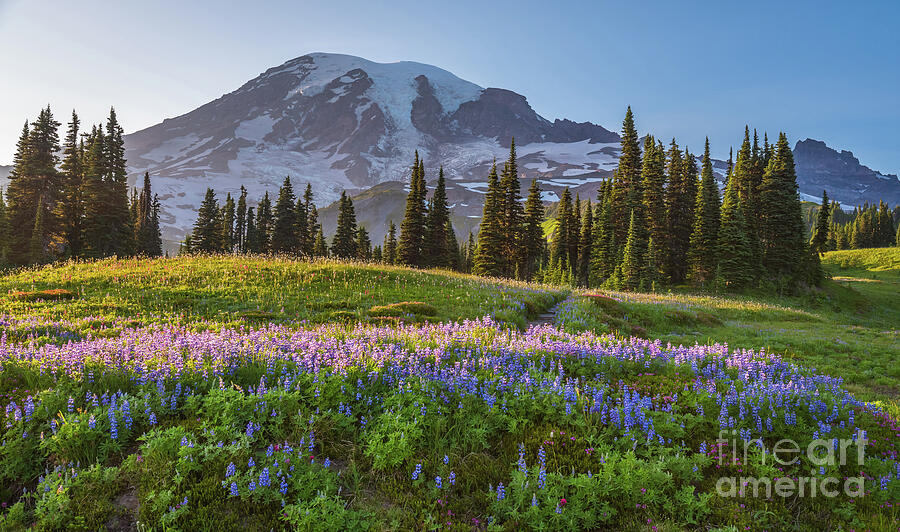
pixel 827 70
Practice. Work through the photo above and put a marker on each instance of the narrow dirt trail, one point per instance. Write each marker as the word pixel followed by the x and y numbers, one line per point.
pixel 549 317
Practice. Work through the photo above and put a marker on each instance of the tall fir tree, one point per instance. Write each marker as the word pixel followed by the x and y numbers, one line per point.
pixel 603 254
pixel 148 240
pixel 734 270
pixel 559 249
pixel 284 229
pixel 781 223
pixel 585 245
pixel 574 236
pixel 412 229
pixel 437 246
pixel 533 240
pixel 363 244
pixel 37 247
pixel 251 238
pixel 207 234
pixel 34 186
pixel 302 227
pixel 96 238
pixel 264 224
pixel 488 259
pixel 702 255
pixel 227 218
pixel 626 191
pixel 70 208
pixel 320 249
pixel 5 233
pixel 309 237
pixel 819 241
pixel 116 189
pixel 390 244
pixel 634 256
pixel 240 222
pixel 747 173
pixel 653 173
pixel 344 245
pixel 679 216
pixel 511 214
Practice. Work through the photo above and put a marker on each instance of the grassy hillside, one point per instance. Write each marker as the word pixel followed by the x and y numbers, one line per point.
pixel 266 394
pixel 234 291
pixel 850 328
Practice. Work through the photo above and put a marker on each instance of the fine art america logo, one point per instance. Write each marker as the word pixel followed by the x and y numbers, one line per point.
pixel 819 453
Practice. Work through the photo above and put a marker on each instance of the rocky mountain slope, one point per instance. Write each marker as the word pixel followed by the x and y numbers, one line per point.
pixel 842 175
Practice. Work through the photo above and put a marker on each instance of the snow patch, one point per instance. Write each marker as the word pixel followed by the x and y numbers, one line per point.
pixel 255 129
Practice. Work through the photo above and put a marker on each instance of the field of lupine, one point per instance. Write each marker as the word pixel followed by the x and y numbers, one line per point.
pixel 223 394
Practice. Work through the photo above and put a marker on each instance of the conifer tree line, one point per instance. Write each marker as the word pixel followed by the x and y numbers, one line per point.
pixel 866 226
pixel 425 238
pixel 290 227
pixel 70 199
pixel 660 220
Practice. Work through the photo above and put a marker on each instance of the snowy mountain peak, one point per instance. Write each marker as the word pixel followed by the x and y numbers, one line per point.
pixel 344 122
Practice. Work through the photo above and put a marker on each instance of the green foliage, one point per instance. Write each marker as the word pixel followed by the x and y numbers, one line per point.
pixel 345 244
pixel 412 229
pixel 702 256
pixel 489 260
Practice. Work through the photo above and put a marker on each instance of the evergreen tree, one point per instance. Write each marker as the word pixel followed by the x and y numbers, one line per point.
pixel 377 254
pixel 207 234
pixel 115 196
pixel 437 245
pixel 747 175
pixel 471 247
pixel 532 232
pixel 312 222
pixel 488 260
pixel 626 191
pixel 302 221
pixel 679 213
pixel 734 268
pixel 251 239
pixel 240 222
pixel 96 237
pixel 154 248
pixel 363 244
pixel 603 255
pixel 634 257
pixel 5 233
pixel 344 244
pixel 284 229
pixel 412 229
pixel 37 245
pixel 227 218
pixel 70 208
pixel 702 256
pixel 574 237
pixel 653 173
pixel 390 244
pixel 34 184
pixel 781 222
pixel 264 225
pixel 819 241
pixel 315 228
pixel 148 240
pixel 560 246
pixel 319 247
pixel 585 245
pixel 511 214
